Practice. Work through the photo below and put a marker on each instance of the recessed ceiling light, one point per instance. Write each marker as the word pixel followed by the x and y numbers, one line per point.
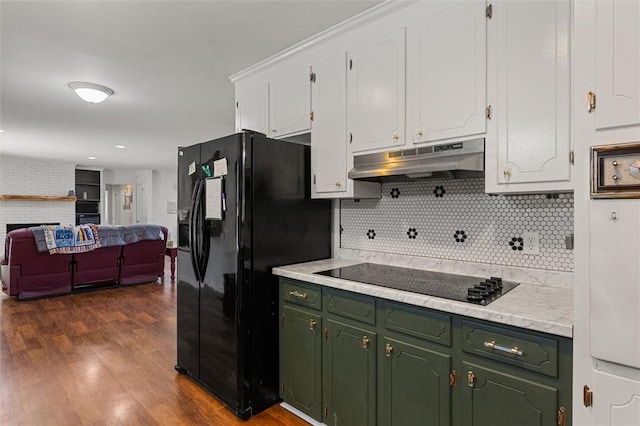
pixel 120 146
pixel 1 131
pixel 91 158
pixel 91 92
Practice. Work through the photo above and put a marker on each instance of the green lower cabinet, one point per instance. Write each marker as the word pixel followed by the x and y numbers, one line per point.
pixel 415 386
pixel 494 398
pixel 301 360
pixel 349 377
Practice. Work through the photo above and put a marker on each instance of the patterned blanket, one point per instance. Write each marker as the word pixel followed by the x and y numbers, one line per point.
pixel 71 239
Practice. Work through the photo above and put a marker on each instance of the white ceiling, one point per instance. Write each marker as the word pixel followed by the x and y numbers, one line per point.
pixel 168 63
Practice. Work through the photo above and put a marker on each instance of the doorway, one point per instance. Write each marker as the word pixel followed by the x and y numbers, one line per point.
pixel 120 206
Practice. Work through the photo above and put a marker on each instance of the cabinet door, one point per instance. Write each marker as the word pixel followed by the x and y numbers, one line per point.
pixel 446 74
pixel 328 136
pixel 349 384
pixel 415 385
pixel 376 93
pixel 491 398
pixel 614 284
pixel 301 360
pixel 290 103
pixel 251 109
pixel 618 63
pixel 528 54
pixel 618 400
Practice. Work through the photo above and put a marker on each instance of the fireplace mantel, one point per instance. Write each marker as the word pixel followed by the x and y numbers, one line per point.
pixel 37 198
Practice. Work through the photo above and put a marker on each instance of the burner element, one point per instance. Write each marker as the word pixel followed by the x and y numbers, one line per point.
pixel 448 286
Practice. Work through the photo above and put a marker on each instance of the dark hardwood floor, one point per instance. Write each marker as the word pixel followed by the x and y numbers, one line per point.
pixel 103 358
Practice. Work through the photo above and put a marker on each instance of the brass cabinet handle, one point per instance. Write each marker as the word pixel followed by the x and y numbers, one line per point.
pixel 396 136
pixel 388 349
pixel 513 351
pixel 338 184
pixel 312 324
pixel 298 295
pixel 365 342
pixel 470 378
pixel 419 133
pixel 507 173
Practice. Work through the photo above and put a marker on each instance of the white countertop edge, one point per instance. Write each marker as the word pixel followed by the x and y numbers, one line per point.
pixel 529 306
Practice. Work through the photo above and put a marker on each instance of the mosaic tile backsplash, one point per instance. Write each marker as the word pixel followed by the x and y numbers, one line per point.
pixel 456 220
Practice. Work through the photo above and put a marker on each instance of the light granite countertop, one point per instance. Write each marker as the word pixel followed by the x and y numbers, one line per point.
pixel 531 306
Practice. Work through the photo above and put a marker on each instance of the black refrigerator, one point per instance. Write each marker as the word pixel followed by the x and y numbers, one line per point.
pixel 244 207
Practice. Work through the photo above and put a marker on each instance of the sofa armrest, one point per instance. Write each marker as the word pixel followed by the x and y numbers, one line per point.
pixel 10 276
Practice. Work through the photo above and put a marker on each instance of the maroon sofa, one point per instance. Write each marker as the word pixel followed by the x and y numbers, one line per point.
pixel 28 273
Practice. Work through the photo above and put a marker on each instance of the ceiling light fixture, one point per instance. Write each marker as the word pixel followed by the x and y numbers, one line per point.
pixel 91 158
pixel 120 146
pixel 90 92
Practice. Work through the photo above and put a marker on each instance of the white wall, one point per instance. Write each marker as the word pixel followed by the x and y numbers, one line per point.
pixel 154 189
pixel 21 176
pixel 164 190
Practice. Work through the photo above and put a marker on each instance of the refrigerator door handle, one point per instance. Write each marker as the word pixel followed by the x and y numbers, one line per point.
pixel 201 239
pixel 192 232
pixel 203 234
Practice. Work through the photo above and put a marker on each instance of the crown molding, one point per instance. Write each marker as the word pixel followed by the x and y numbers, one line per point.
pixel 359 20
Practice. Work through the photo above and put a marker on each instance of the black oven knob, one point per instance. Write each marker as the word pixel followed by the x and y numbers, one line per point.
pixel 474 294
pixel 494 285
pixel 498 280
pixel 486 288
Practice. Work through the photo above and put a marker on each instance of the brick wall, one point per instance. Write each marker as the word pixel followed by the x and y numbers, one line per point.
pixel 19 176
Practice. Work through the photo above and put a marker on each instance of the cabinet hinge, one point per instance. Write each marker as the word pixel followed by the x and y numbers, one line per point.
pixel 312 77
pixel 489 11
pixel 282 319
pixel 311 115
pixel 453 378
pixel 572 157
pixel 350 64
pixel 350 137
pixel 487 112
pixel 314 179
pixel 562 417
pixel 326 333
pixel 591 99
pixel 587 396
pixel 326 410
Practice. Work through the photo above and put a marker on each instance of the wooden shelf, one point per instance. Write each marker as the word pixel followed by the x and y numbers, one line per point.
pixel 37 198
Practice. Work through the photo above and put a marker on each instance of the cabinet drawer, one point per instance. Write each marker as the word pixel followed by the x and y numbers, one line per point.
pixel 533 352
pixel 300 293
pixel 351 305
pixel 416 322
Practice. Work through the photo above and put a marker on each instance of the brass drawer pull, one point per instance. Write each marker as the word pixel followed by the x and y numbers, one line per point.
pixel 492 345
pixel 298 295
pixel 312 324
pixel 365 342
pixel 388 349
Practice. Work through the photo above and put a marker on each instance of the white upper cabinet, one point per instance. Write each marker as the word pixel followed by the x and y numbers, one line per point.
pixel 290 103
pixel 328 136
pixel 329 160
pixel 376 93
pixel 528 146
pixel 446 74
pixel 252 109
pixel 617 87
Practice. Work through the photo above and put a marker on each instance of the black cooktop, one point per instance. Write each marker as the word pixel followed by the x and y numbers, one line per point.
pixel 448 286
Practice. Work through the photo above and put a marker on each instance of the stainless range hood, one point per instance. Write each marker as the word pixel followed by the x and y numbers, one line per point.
pixel 442 161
